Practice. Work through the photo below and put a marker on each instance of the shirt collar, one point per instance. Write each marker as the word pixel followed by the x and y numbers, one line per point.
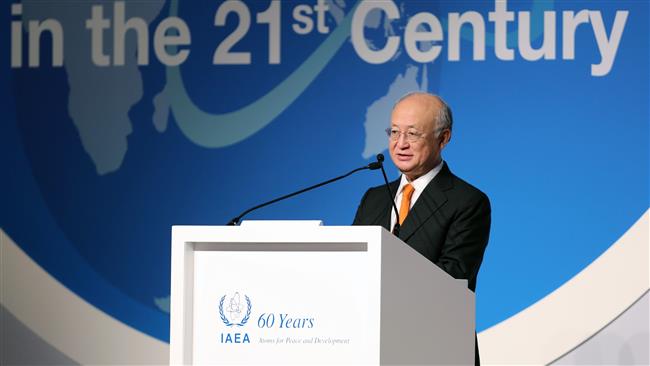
pixel 420 183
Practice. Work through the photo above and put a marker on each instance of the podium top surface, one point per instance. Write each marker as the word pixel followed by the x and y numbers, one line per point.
pixel 278 223
pixel 277 232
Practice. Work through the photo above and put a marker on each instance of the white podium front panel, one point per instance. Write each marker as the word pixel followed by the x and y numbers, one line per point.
pixel 288 304
pixel 270 301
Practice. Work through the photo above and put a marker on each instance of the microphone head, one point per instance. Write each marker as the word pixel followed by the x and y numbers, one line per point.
pixel 376 164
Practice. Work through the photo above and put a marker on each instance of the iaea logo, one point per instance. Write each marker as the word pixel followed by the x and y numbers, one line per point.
pixel 235 309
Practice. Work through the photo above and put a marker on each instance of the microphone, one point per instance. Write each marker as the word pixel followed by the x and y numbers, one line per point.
pixel 380 159
pixel 372 166
pixel 377 164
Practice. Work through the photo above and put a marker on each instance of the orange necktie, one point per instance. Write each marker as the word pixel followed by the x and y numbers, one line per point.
pixel 407 192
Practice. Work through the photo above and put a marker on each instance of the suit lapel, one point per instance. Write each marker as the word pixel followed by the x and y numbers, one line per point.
pixel 385 221
pixel 430 201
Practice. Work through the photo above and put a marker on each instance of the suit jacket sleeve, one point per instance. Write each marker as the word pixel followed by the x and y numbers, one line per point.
pixel 361 210
pixel 466 239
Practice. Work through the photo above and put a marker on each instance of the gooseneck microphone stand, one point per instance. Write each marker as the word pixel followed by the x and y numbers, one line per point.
pixel 372 166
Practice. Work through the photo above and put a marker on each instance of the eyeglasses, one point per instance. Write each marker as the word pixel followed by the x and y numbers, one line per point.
pixel 411 136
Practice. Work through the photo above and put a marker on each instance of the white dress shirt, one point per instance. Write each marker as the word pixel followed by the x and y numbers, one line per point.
pixel 419 184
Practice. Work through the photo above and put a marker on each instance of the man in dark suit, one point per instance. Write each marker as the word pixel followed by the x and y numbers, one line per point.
pixel 444 218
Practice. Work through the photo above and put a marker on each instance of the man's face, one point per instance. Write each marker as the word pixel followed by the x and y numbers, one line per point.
pixel 416 114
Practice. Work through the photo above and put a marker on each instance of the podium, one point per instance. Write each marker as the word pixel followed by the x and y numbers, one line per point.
pixel 298 293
